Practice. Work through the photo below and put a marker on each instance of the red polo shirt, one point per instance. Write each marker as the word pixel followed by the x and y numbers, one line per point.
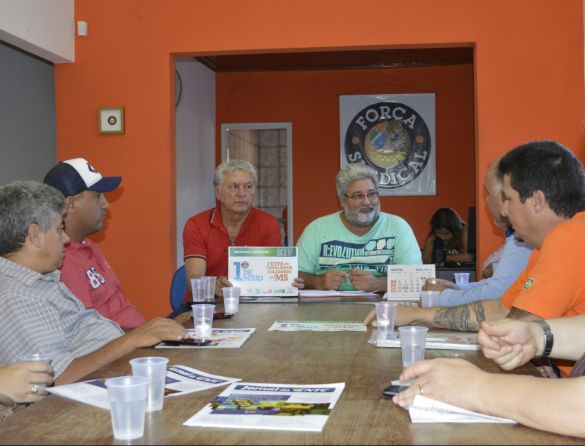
pixel 206 237
pixel 90 277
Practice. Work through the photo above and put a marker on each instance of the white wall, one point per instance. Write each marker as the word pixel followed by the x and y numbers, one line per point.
pixel 44 28
pixel 195 145
pixel 28 147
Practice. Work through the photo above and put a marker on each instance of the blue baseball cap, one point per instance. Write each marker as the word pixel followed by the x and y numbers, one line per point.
pixel 74 176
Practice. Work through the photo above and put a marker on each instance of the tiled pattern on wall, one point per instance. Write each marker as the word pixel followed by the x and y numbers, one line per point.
pixel 266 150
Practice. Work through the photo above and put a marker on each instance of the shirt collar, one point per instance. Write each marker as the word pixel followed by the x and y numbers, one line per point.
pixel 24 274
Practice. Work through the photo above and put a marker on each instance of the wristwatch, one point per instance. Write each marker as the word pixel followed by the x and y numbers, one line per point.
pixel 548 338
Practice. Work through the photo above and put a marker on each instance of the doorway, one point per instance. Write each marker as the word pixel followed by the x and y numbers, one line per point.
pixel 268 147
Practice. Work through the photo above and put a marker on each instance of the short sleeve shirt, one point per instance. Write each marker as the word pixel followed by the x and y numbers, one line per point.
pixel 553 283
pixel 205 237
pixel 90 277
pixel 38 314
pixel 327 244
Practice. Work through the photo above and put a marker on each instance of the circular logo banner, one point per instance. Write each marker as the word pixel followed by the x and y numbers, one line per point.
pixel 392 138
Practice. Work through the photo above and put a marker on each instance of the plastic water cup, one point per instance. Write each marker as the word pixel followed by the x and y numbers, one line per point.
pixel 154 369
pixel 429 298
pixel 127 396
pixel 34 357
pixel 203 320
pixel 385 316
pixel 198 290
pixel 209 288
pixel 461 279
pixel 231 300
pixel 412 343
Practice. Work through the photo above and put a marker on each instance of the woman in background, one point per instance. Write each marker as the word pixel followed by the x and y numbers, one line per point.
pixel 448 239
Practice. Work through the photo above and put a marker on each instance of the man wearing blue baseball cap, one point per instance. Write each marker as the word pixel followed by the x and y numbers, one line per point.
pixel 85 270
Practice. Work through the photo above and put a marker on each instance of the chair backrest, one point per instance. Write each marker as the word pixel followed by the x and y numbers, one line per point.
pixel 178 287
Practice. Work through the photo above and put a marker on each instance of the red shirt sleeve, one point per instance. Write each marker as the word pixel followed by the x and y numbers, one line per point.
pixel 194 239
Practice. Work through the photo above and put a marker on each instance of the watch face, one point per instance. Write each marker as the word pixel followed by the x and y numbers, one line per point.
pixel 178 88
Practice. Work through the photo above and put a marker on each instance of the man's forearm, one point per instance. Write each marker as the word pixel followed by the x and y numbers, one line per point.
pixel 546 404
pixel 469 317
pixel 87 364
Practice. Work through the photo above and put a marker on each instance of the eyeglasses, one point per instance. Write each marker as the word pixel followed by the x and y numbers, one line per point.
pixel 371 196
pixel 246 187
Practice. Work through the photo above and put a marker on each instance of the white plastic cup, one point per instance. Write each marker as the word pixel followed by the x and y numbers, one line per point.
pixel 154 369
pixel 127 395
pixel 412 343
pixel 203 320
pixel 429 298
pixel 461 279
pixel 198 290
pixel 34 357
pixel 209 288
pixel 231 300
pixel 385 316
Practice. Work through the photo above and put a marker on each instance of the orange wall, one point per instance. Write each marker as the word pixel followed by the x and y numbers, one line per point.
pixel 528 84
pixel 309 99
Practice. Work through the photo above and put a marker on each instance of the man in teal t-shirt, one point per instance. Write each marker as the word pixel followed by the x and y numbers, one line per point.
pixel 351 249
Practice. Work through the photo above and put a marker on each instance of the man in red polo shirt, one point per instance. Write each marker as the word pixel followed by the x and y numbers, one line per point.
pixel 233 222
pixel 85 270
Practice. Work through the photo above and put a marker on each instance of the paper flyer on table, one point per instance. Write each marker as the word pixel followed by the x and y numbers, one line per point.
pixel 263 271
pixel 317 326
pixel 426 410
pixel 180 380
pixel 220 338
pixel 270 406
pixel 405 282
pixel 436 340
pixel 328 293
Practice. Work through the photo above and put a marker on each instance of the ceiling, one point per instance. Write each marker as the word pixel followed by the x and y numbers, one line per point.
pixel 336 60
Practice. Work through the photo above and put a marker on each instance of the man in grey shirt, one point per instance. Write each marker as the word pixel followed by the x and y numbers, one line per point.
pixel 38 314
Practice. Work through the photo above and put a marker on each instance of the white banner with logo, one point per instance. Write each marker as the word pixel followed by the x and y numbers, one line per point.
pixel 395 134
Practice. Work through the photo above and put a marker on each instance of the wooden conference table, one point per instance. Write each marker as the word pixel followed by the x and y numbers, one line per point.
pixel 363 414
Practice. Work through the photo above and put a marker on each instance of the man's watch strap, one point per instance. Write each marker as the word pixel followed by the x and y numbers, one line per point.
pixel 548 338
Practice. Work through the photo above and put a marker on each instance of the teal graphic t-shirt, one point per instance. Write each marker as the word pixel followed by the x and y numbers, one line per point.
pixel 326 243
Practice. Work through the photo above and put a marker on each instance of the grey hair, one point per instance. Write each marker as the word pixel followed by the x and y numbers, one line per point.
pixel 230 166
pixel 354 172
pixel 23 203
pixel 492 169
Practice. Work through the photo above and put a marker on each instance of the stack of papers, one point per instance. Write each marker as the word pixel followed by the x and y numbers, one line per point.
pixel 180 380
pixel 436 340
pixel 270 406
pixel 220 338
pixel 317 326
pixel 269 299
pixel 335 295
pixel 426 410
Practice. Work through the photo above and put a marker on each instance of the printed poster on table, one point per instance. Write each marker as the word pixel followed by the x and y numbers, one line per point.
pixel 180 380
pixel 394 134
pixel 263 271
pixel 289 407
pixel 405 282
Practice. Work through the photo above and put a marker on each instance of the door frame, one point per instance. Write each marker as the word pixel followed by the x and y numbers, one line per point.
pixel 289 170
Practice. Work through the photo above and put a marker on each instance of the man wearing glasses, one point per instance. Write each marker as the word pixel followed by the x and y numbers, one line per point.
pixel 351 249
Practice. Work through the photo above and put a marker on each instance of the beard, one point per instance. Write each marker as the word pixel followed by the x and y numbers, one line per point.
pixel 362 217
